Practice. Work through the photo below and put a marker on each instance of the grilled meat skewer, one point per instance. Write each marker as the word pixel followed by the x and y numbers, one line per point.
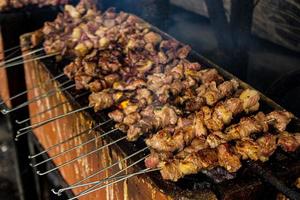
pixel 228 156
pixel 143 99
pixel 79 31
pixel 247 126
pixel 241 132
pixel 131 86
pixel 201 123
pixel 62 36
pixel 148 120
pixel 173 75
pixel 144 114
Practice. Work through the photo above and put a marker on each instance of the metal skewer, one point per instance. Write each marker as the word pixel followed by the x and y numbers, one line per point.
pixel 11 54
pixel 75 185
pixel 72 148
pixel 96 183
pixel 49 93
pixel 20 56
pixel 15 48
pixel 40 113
pixel 39 124
pixel 48 109
pixel 119 172
pixel 119 179
pixel 33 87
pixel 81 156
pixel 123 177
pixel 91 189
pixel 10 49
pixel 69 139
pixel 28 60
pixel 22 60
